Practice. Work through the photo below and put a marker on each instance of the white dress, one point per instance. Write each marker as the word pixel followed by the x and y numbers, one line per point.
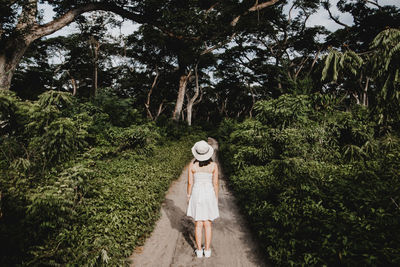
pixel 203 203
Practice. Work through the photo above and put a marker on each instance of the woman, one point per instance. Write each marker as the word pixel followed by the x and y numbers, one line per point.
pixel 202 194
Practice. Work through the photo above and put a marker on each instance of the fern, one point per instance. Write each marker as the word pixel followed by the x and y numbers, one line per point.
pixel 55 98
pixel 330 60
pixel 337 63
pixel 335 69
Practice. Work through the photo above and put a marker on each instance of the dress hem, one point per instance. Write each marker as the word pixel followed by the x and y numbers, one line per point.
pixel 203 219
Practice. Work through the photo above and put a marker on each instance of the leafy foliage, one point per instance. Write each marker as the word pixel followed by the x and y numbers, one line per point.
pixel 380 65
pixel 77 187
pixel 336 62
pixel 318 187
pixel 386 67
pixel 316 175
pixel 113 207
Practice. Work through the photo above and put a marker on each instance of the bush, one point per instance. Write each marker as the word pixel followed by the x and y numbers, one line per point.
pixel 61 140
pixel 317 188
pixel 141 138
pixel 81 183
pixel 104 214
pixel 10 115
pixel 120 110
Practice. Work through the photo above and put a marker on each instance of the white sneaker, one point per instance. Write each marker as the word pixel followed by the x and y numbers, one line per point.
pixel 199 253
pixel 207 253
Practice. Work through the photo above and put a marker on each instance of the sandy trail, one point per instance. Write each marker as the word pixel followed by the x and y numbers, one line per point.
pixel 172 242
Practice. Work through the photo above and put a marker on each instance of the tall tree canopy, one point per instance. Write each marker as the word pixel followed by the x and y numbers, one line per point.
pixel 19 29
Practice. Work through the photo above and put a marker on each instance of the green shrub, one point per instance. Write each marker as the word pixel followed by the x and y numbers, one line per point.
pixel 284 111
pixel 141 138
pixel 109 211
pixel 58 99
pixel 120 110
pixel 61 140
pixel 65 203
pixel 81 183
pixel 10 118
pixel 175 130
pixel 318 189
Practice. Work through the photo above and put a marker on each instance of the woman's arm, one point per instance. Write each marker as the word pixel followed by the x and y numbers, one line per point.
pixel 190 180
pixel 215 179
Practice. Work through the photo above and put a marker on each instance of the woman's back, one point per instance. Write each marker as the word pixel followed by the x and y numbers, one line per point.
pixel 203 204
pixel 200 177
pixel 209 168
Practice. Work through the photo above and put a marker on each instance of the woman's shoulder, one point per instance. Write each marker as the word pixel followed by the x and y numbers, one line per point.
pixel 213 166
pixel 192 165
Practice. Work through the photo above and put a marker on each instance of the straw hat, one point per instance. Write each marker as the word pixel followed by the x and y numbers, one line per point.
pixel 202 150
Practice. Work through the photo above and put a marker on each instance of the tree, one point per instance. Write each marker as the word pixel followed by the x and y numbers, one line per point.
pixel 35 74
pixel 380 64
pixel 385 64
pixel 191 31
pixel 93 28
pixel 150 70
pixel 18 31
pixel 274 53
pixel 369 19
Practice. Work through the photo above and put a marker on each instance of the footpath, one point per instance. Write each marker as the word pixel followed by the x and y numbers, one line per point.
pixel 172 242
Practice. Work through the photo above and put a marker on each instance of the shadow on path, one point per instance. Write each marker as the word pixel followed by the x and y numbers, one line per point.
pixel 180 221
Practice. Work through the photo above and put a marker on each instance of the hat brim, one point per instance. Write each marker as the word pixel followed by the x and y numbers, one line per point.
pixel 203 157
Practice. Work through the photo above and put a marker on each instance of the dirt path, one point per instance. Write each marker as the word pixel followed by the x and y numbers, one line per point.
pixel 172 242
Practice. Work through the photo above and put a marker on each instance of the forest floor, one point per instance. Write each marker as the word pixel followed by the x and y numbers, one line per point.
pixel 172 242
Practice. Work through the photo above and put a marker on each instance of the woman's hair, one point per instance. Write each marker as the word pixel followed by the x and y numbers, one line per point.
pixel 203 162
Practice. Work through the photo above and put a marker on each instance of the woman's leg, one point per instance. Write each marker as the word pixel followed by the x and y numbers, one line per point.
pixel 208 234
pixel 198 232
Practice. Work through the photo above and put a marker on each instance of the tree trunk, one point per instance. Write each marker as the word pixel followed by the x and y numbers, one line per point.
pixel 183 116
pixel 147 104
pixel 189 112
pixel 160 109
pixel 73 83
pixel 253 100
pixel 10 57
pixel 73 86
pixel 94 82
pixel 223 110
pixel 95 48
pixel 181 96
pixel 365 95
pixel 192 100
pixel 13 48
pixel 355 95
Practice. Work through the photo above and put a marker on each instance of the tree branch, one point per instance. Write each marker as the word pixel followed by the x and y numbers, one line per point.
pixel 255 7
pixel 147 104
pixel 302 63
pixel 68 17
pixel 373 3
pixel 220 44
pixel 161 108
pixel 315 60
pixel 28 16
pixel 262 5
pixel 212 7
pixel 335 19
pixel 290 13
pixel 395 203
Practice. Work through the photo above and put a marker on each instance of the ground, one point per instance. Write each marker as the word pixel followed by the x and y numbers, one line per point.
pixel 172 242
